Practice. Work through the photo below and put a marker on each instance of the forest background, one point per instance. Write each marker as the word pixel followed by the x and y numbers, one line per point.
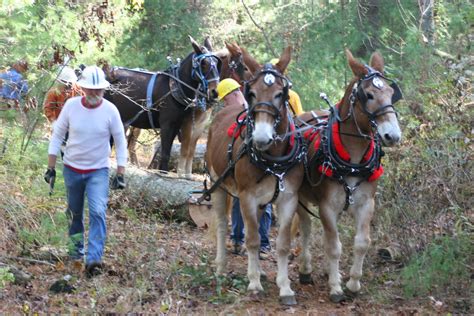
pixel 424 200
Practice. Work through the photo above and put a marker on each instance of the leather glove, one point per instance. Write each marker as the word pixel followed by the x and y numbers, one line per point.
pixel 50 173
pixel 118 182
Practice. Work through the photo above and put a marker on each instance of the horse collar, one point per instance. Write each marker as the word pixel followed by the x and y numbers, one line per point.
pixel 333 160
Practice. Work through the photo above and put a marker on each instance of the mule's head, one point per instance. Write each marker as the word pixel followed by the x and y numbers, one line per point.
pixel 266 94
pixel 373 97
pixel 233 65
pixel 206 68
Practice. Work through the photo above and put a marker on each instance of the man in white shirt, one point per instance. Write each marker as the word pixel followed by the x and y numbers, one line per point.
pixel 90 120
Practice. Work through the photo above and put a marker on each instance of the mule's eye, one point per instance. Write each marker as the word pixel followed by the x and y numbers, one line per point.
pixel 370 96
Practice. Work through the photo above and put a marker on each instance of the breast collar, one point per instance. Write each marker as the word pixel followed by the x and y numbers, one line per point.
pixel 333 160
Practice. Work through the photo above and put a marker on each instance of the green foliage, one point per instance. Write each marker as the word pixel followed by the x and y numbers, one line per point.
pixel 50 230
pixel 441 266
pixel 37 226
pixel 225 288
pixel 162 30
pixel 5 277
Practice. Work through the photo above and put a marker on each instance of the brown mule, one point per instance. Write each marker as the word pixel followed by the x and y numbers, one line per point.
pixel 347 150
pixel 193 126
pixel 261 165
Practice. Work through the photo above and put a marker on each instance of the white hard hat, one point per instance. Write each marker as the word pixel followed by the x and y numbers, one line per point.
pixel 93 77
pixel 67 75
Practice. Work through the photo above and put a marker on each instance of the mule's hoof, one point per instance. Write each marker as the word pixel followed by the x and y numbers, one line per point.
pixel 288 300
pixel 350 295
pixel 337 298
pixel 306 278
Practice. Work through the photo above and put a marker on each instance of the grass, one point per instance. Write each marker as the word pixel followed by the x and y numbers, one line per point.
pixel 436 270
pixel 6 277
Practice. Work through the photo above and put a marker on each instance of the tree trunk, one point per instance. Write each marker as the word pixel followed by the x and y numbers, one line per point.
pixel 427 25
pixel 155 192
pixel 198 160
pixel 369 24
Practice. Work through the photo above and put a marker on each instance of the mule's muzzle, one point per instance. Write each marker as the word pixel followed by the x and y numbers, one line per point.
pixel 262 144
pixel 391 139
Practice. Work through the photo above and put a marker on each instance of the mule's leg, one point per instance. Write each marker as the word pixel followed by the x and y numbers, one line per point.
pixel 197 131
pixel 219 199
pixel 248 207
pixel 133 135
pixel 286 209
pixel 167 135
pixel 186 133
pixel 363 215
pixel 333 249
pixel 305 267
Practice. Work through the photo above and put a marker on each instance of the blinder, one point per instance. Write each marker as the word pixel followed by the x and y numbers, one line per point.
pixel 270 74
pixel 375 76
pixel 214 70
pixel 397 92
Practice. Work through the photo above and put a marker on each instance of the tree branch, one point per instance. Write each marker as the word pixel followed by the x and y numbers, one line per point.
pixel 269 45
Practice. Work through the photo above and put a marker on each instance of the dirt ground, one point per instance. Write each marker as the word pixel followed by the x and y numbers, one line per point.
pixel 156 266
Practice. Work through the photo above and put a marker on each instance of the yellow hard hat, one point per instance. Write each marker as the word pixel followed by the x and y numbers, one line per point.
pixel 274 61
pixel 225 87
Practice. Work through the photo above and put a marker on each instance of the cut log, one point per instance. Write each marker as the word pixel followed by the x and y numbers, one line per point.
pixel 198 160
pixel 155 192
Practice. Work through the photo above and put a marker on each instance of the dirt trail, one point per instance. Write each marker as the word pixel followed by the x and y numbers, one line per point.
pixel 163 267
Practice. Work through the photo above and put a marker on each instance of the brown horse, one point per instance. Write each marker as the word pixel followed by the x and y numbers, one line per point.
pixel 193 126
pixel 165 99
pixel 344 164
pixel 259 160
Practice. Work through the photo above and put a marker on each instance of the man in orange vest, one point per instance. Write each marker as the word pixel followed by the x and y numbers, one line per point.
pixel 64 88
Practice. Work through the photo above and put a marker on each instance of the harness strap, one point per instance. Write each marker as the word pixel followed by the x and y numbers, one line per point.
pixel 149 98
pixel 307 209
pixel 206 195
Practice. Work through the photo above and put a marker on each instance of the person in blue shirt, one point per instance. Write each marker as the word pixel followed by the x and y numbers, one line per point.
pixel 12 85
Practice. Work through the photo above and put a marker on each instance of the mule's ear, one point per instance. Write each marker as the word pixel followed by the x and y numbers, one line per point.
pixel 208 44
pixel 233 48
pixel 249 61
pixel 196 47
pixel 284 60
pixel 376 62
pixel 358 69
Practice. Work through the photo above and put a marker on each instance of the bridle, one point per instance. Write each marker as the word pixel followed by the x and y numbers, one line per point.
pixel 270 75
pixel 204 78
pixel 237 69
pixel 358 94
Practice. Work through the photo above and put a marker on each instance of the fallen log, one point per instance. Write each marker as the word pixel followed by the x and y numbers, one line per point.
pixel 198 160
pixel 156 192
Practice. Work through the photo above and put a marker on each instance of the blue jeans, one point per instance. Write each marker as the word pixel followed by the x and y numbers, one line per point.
pixel 238 234
pixel 96 186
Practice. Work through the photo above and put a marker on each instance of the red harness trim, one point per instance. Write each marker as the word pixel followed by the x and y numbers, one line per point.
pixel 310 135
pixel 232 130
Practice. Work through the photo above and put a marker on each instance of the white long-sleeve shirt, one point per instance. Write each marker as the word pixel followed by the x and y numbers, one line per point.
pixel 88 145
